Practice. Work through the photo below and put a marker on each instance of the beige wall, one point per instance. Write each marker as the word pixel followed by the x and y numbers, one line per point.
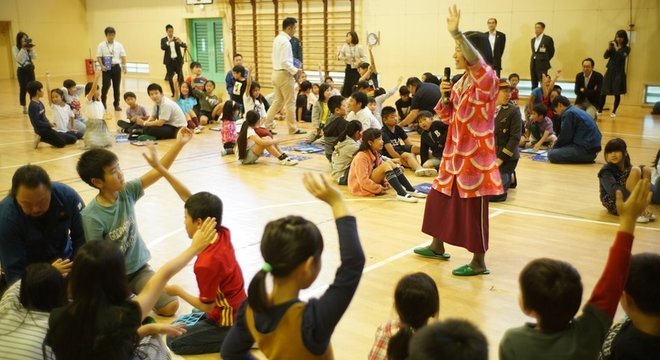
pixel 58 27
pixel 414 36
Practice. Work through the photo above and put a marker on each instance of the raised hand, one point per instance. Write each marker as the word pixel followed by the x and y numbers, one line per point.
pixel 637 202
pixel 322 188
pixel 152 156
pixel 453 19
pixel 184 135
pixel 204 235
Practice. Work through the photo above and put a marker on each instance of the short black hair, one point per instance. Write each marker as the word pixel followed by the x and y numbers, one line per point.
pixel 452 339
pixel 430 78
pixel 238 69
pixel 493 20
pixel 360 98
pixel 593 63
pixel 364 65
pixel 288 22
pixel 642 284
pixel 371 100
pixel 169 26
pixel 415 81
pixel 514 75
pixel 195 64
pixel 92 164
pixel 403 90
pixel 109 30
pixel 557 88
pixel 237 55
pixel 355 39
pixel 540 23
pixel 387 111
pixel 553 289
pixel 560 100
pixel 154 86
pixel 88 87
pixel 540 109
pixel 305 85
pixel 363 85
pixel 68 83
pixel 129 94
pixel 334 103
pixel 203 205
pixel 59 92
pixel 328 78
pixel 424 114
pixel 33 87
pixel 30 176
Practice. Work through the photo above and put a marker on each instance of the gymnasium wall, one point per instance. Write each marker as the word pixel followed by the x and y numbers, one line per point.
pixel 414 37
pixel 58 28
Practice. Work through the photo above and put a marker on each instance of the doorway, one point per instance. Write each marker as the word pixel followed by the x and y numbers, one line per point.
pixel 7 69
pixel 208 47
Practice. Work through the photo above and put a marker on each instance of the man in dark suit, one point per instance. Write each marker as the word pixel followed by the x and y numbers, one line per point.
pixel 508 130
pixel 587 88
pixel 496 42
pixel 543 49
pixel 172 57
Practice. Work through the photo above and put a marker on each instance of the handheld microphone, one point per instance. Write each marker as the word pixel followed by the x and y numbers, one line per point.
pixel 446 94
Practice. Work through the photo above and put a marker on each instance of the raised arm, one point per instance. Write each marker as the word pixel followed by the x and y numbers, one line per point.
pixel 469 52
pixel 182 138
pixel 372 60
pixel 178 186
pixel 50 98
pixel 95 83
pixel 248 83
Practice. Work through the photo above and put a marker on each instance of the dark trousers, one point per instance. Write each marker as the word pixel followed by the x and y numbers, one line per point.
pixel 571 154
pixel 174 67
pixel 58 139
pixel 536 73
pixel 129 127
pixel 506 173
pixel 24 76
pixel 161 132
pixel 351 78
pixel 114 75
pixel 202 338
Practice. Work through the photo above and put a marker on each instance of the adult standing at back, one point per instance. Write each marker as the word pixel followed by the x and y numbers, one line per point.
pixel 353 55
pixel 39 222
pixel 283 81
pixel 112 58
pixel 425 98
pixel 614 82
pixel 543 50
pixel 172 57
pixel 23 55
pixel 497 42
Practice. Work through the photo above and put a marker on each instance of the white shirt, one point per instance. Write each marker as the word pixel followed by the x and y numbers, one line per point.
pixel 250 136
pixel 283 54
pixel 252 104
pixel 169 111
pixel 23 56
pixel 114 50
pixel 94 109
pixel 367 119
pixel 172 44
pixel 62 115
pixel 586 79
pixel 352 53
pixel 537 42
pixel 491 40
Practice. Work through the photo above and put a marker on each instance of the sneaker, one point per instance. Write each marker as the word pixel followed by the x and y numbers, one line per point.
pixel 642 219
pixel 37 140
pixel 406 198
pixel 426 172
pixel 299 132
pixel 417 194
pixel 273 132
pixel 288 161
pixel 117 108
pixel 612 115
pixel 197 130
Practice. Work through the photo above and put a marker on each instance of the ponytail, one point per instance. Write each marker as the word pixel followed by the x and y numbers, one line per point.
pixel 251 119
pixel 397 348
pixel 257 294
pixel 350 130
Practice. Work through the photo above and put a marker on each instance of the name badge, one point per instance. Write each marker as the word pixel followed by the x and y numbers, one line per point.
pixel 542 49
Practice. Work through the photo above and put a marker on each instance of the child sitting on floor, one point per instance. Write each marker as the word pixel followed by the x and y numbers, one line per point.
pixel 452 339
pixel 538 129
pixel 398 145
pixel 416 301
pixel 335 124
pixel 251 145
pixel 345 150
pixel 281 324
pixel 551 293
pixel 619 174
pixel 432 140
pixel 230 110
pixel 320 114
pixel 184 97
pixel 43 128
pixel 72 94
pixel 135 113
pixel 97 134
pixel 369 175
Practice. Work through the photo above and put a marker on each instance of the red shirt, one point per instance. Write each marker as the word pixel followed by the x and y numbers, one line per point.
pixel 220 279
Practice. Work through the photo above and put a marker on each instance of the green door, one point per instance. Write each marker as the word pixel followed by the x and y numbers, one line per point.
pixel 208 47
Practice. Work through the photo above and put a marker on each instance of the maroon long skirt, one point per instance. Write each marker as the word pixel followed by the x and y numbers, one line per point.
pixel 457 221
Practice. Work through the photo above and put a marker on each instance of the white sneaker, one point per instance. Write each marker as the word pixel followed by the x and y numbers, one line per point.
pixel 642 219
pixel 612 115
pixel 426 172
pixel 288 162
pixel 417 194
pixel 197 130
pixel 407 198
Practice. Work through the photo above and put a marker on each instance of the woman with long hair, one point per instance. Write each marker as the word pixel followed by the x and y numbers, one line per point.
pixel 614 82
pixel 24 56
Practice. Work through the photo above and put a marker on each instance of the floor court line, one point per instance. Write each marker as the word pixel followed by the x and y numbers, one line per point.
pixel 41 162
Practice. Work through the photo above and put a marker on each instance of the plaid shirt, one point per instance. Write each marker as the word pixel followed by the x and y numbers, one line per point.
pixel 383 335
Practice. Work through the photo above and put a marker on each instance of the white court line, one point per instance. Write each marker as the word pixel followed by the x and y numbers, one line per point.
pixel 3 131
pixel 17 142
pixel 628 135
pixel 41 162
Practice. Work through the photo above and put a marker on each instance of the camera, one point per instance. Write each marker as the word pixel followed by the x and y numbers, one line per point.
pixel 27 42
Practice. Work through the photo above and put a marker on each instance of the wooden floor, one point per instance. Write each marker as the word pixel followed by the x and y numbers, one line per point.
pixel 554 212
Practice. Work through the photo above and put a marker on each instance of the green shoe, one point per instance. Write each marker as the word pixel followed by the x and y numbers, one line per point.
pixel 148 320
pixel 426 251
pixel 146 137
pixel 467 270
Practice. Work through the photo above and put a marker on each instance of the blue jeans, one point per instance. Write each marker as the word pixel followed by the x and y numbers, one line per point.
pixel 202 338
pixel 571 154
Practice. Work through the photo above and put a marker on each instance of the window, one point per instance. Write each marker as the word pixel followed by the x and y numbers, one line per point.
pixel 137 68
pixel 651 94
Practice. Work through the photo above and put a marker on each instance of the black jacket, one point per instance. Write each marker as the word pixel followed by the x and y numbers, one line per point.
pixel 167 56
pixel 508 130
pixel 591 91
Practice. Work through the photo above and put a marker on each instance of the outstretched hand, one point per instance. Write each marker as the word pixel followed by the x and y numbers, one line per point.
pixel 184 135
pixel 637 202
pixel 204 235
pixel 453 19
pixel 322 188
pixel 152 156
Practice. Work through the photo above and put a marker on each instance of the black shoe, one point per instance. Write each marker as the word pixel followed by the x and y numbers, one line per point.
pixel 299 132
pixel 117 108
pixel 514 181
